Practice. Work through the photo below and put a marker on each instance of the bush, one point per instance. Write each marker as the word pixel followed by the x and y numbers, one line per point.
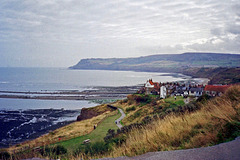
pixel 97 148
pixel 110 135
pixel 158 109
pixel 131 109
pixel 233 93
pixel 4 155
pixel 204 98
pixel 124 101
pixel 142 99
pixel 147 120
pixel 118 140
pixel 137 114
pixel 230 132
pixel 56 150
pixel 93 148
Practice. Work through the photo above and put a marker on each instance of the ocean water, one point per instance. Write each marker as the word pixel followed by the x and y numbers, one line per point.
pixel 25 104
pixel 61 79
pixel 52 79
pixel 24 119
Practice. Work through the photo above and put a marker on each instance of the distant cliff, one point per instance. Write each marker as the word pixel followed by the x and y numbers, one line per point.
pixel 162 62
pixel 219 68
pixel 220 75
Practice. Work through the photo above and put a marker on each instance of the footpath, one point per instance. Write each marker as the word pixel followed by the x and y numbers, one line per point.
pixel 119 119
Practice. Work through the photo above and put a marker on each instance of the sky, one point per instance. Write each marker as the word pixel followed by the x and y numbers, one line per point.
pixel 58 33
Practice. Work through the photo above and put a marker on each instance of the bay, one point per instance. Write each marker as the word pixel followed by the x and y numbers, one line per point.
pixel 62 79
pixel 24 119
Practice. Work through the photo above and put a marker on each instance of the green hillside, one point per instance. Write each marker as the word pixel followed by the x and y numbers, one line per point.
pixel 219 68
pixel 162 62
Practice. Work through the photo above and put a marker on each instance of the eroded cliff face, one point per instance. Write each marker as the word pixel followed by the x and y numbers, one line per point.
pixel 88 113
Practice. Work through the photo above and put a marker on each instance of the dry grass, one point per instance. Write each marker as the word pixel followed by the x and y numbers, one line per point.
pixel 186 131
pixel 190 130
pixel 143 109
pixel 75 129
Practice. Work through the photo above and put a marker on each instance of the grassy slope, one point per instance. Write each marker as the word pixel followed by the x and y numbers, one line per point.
pixel 146 108
pixel 227 76
pixel 195 129
pixel 96 135
pixel 216 75
pixel 207 126
pixel 161 61
pixel 75 129
pixel 179 100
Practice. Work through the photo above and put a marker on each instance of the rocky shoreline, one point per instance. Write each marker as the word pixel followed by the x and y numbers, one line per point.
pixel 94 94
pixel 21 125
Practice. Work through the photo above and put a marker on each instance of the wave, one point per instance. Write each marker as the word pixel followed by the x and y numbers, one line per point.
pixel 3 82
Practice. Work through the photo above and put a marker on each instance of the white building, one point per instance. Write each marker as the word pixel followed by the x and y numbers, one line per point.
pixel 163 92
pixel 149 86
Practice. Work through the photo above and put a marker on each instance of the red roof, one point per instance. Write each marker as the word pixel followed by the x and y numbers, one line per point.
pixel 151 82
pixel 216 88
pixel 156 84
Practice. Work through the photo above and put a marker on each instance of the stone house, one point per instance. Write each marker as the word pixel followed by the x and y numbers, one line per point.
pixel 215 90
pixel 196 92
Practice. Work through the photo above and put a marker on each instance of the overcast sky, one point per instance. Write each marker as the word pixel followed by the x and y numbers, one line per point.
pixel 58 33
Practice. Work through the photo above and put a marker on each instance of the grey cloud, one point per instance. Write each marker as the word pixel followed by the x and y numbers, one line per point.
pixel 234 29
pixel 106 28
pixel 225 44
pixel 217 31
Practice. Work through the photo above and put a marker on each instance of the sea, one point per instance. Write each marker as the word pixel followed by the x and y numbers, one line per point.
pixel 63 79
pixel 24 119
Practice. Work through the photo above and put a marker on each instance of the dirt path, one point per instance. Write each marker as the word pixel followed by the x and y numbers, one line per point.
pixel 119 119
pixel 224 151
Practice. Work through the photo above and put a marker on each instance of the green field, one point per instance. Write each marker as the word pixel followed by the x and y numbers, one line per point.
pixel 96 135
pixel 179 100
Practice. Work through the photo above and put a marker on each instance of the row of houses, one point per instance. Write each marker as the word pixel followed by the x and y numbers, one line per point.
pixel 185 90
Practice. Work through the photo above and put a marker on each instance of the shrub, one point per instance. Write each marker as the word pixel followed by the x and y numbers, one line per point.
pixel 119 140
pixel 110 135
pixel 157 109
pixel 137 114
pixel 93 148
pixel 230 132
pixel 154 103
pixel 233 93
pixel 131 109
pixel 97 148
pixel 55 150
pixel 142 99
pixel 124 101
pixel 147 120
pixel 58 150
pixel 204 98
pixel 4 155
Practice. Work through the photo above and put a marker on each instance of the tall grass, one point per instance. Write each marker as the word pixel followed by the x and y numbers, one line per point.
pixel 197 129
pixel 64 149
pixel 217 120
pixel 70 131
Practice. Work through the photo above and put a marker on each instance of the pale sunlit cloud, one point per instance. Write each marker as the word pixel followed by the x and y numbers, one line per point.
pixel 61 32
